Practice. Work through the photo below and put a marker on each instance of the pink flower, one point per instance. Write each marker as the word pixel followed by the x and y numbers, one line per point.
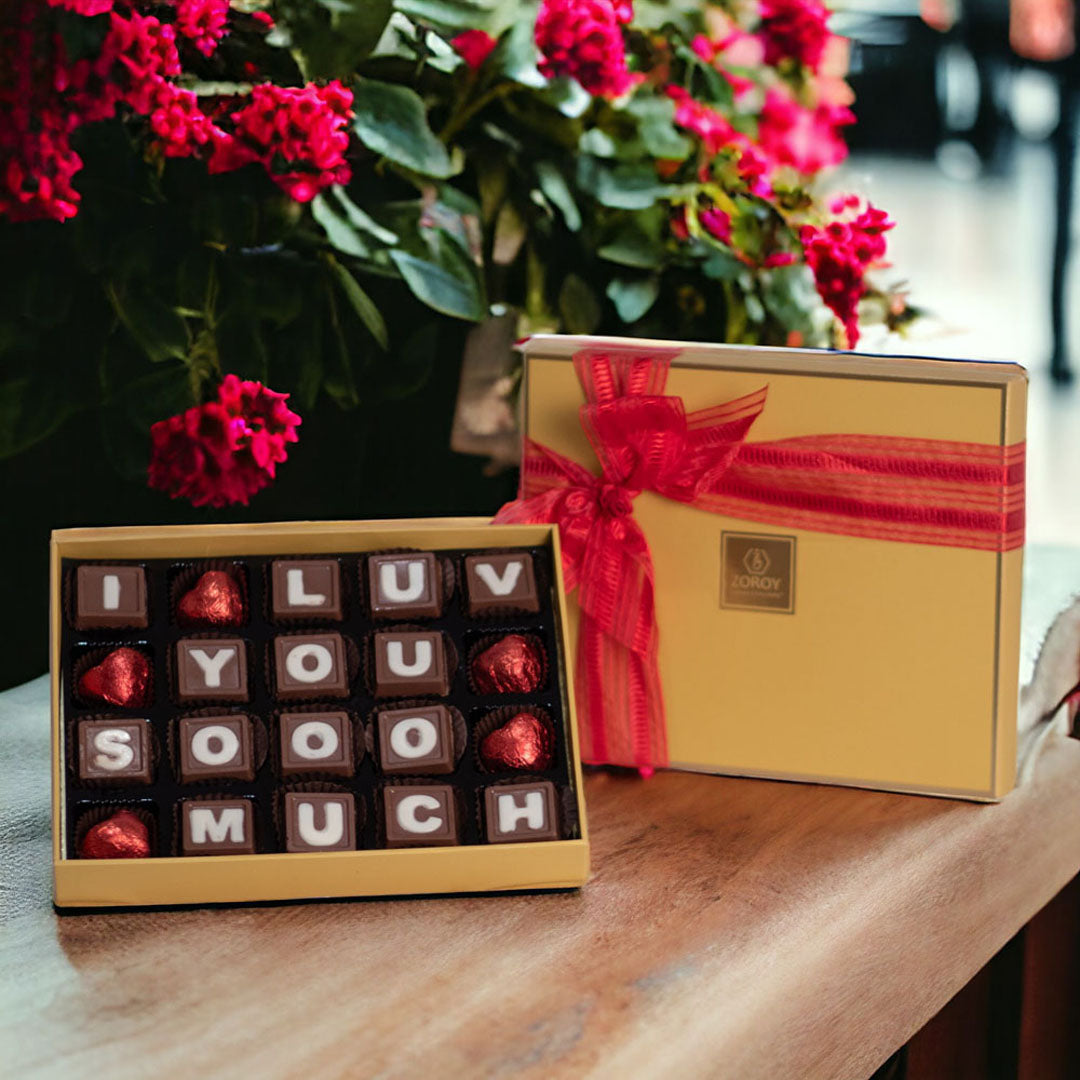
pixel 717 223
pixel 710 126
pixel 203 22
pixel 299 134
pixel 778 258
pixel 225 451
pixel 180 125
pixel 583 39
pixel 677 224
pixel 473 46
pixel 84 7
pixel 809 140
pixel 796 30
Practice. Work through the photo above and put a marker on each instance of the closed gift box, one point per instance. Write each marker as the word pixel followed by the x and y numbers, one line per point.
pixel 835 544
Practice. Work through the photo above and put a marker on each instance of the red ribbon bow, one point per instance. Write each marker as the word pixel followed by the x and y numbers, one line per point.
pixel 926 491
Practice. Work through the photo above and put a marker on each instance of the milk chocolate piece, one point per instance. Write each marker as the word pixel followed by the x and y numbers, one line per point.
pixel 320 821
pixel 211 669
pixel 117 751
pixel 405 585
pixel 305 589
pixel 317 743
pixel 408 662
pixel 419 740
pixel 217 827
pixel 310 665
pixel 215 748
pixel 424 815
pixel 516 812
pixel 504 582
pixel 108 596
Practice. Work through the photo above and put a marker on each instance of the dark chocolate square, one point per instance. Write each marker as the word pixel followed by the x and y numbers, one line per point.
pixel 211 669
pixel 317 743
pixel 215 748
pixel 310 665
pixel 500 582
pixel 217 827
pixel 117 751
pixel 421 815
pixel 516 812
pixel 109 596
pixel 410 662
pixel 323 821
pixel 419 740
pixel 407 585
pixel 305 588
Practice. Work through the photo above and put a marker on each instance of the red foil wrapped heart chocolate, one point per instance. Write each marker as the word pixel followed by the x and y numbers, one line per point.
pixel 525 741
pixel 513 665
pixel 215 600
pixel 122 678
pixel 121 836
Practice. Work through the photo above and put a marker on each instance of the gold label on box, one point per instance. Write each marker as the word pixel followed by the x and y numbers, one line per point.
pixel 757 572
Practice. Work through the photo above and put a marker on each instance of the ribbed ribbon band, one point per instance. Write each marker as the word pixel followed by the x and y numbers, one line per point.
pixel 920 491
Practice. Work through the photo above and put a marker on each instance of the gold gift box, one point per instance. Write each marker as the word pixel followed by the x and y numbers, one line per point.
pixel 873 663
pixel 91 883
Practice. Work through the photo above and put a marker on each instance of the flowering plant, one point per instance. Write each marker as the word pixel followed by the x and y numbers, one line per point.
pixel 308 191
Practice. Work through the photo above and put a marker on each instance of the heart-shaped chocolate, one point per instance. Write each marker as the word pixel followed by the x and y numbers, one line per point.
pixel 122 836
pixel 215 600
pixel 525 741
pixel 513 665
pixel 122 678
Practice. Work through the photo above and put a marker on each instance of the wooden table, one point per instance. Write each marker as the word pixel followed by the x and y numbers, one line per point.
pixel 735 928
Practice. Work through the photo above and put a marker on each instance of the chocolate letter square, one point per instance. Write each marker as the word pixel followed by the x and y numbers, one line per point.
pixel 310 665
pixel 115 750
pixel 215 748
pixel 405 585
pixel 305 588
pixel 417 740
pixel 500 581
pixel 317 743
pixel 420 816
pixel 408 662
pixel 320 822
pixel 211 669
pixel 516 812
pixel 107 596
pixel 217 827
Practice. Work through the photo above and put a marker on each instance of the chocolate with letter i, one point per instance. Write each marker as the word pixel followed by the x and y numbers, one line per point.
pixel 110 596
pixel 320 821
pixel 406 585
pixel 317 743
pixel 215 748
pixel 211 669
pixel 516 812
pixel 504 582
pixel 217 827
pixel 408 662
pixel 117 751
pixel 310 665
pixel 422 815
pixel 305 589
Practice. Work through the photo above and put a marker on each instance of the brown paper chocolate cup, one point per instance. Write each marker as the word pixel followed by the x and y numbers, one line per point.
pixel 260 745
pixel 258 826
pixel 317 787
pixel 449 648
pixel 565 804
pixel 353 667
pixel 185 576
pixel 356 726
pixel 457 721
pixel 508 612
pixel 460 805
pixel 224 634
pixel 305 621
pixel 67 596
pixel 71 744
pixel 444 565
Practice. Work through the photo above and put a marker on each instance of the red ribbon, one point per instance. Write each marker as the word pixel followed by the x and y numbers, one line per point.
pixel 923 491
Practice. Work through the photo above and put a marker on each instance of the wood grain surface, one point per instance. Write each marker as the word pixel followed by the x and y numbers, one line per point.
pixel 731 928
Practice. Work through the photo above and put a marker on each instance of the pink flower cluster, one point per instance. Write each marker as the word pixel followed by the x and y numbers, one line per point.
pixel 795 30
pixel 583 39
pixel 224 451
pixel 841 252
pixel 807 139
pixel 298 134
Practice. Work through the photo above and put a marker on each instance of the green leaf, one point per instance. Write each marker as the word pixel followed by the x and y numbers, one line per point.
pixel 623 187
pixel 578 306
pixel 599 143
pixel 362 304
pixel 162 334
pixel 453 15
pixel 361 219
pixel 516 56
pixel 450 285
pixel 554 186
pixel 720 266
pixel 656 125
pixel 509 235
pixel 633 247
pixel 568 96
pixel 339 231
pixel 330 37
pixel 391 120
pixel 30 410
pixel 633 297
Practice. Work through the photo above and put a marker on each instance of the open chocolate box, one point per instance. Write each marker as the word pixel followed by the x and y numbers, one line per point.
pixel 311 709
